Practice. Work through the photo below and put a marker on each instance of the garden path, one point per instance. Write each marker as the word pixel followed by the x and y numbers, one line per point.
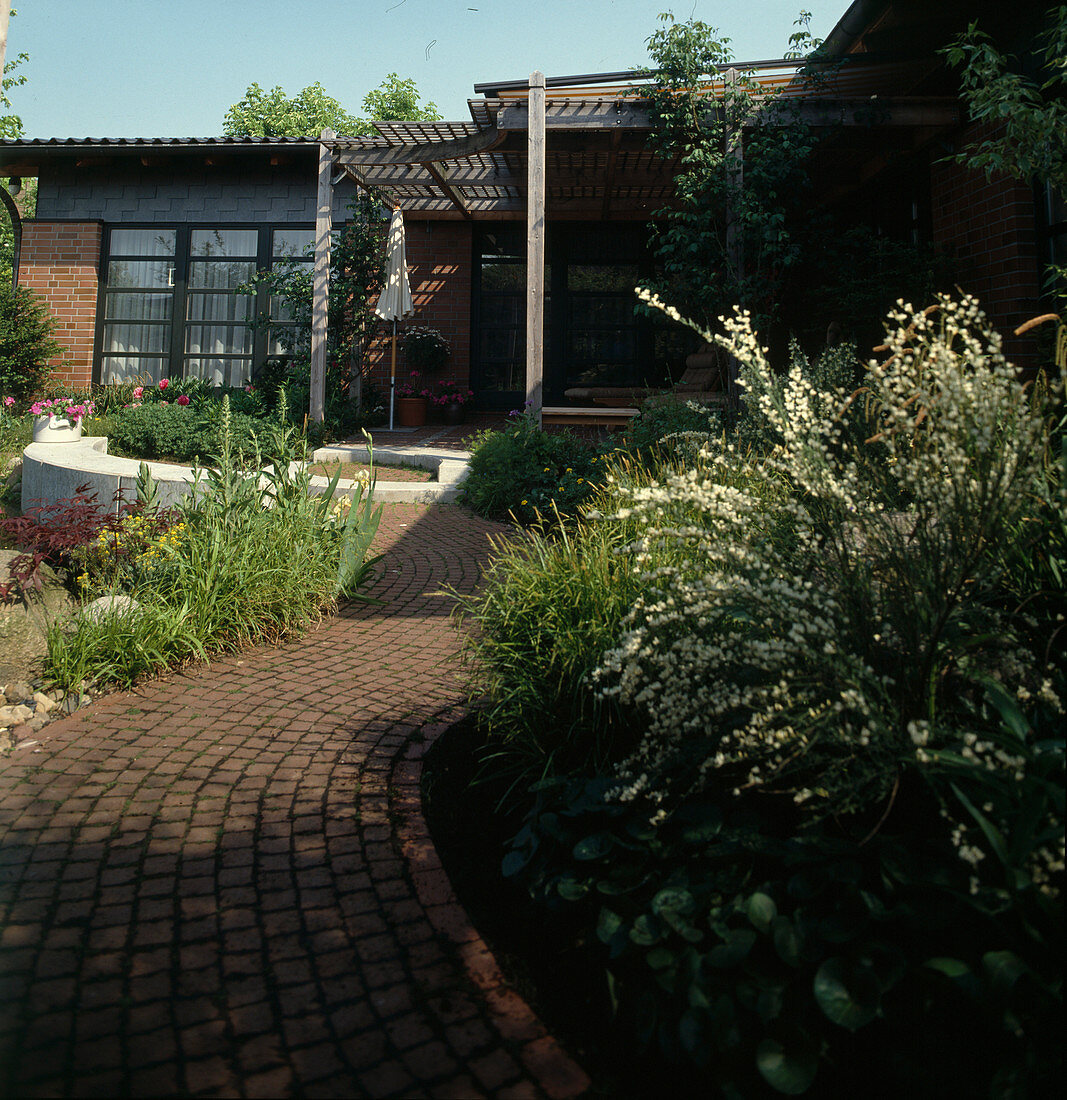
pixel 222 884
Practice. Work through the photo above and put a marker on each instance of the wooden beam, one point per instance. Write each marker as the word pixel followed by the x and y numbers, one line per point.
pixel 864 111
pixel 424 152
pixel 320 283
pixel 441 175
pixel 601 115
pixel 535 246
pixel 811 110
pixel 609 174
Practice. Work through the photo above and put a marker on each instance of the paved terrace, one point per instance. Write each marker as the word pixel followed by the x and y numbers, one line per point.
pixel 222 884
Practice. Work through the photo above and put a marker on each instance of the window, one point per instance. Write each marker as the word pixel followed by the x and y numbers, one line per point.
pixel 138 304
pixel 172 304
pixel 593 335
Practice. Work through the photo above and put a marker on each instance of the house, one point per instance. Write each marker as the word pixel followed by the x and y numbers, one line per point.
pixel 527 219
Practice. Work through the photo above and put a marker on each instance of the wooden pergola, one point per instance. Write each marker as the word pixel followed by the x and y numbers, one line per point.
pixel 578 148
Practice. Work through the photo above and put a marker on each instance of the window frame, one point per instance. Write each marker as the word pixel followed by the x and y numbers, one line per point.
pixel 174 354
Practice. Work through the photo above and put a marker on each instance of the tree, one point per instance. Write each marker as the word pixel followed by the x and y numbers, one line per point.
pixel 395 99
pixel 307 114
pixel 727 237
pixel 274 114
pixel 1030 114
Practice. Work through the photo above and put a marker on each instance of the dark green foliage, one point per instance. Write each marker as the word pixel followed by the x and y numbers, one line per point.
pixel 661 427
pixel 850 278
pixel 857 964
pixel 529 473
pixel 26 342
pixel 728 236
pixel 179 433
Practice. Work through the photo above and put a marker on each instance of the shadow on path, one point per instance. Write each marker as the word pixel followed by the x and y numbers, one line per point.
pixel 222 884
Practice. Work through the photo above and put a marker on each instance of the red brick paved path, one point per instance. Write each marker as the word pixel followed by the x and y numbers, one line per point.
pixel 222 884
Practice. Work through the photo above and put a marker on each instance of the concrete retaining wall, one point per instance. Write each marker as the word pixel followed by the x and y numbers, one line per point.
pixel 55 471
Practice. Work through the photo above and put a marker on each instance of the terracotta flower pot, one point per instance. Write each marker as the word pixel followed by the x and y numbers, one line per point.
pixel 455 412
pixel 411 411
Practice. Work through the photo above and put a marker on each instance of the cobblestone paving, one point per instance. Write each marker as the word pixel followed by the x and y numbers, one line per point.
pixel 222 884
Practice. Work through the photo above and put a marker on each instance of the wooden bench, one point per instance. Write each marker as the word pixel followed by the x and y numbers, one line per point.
pixel 598 417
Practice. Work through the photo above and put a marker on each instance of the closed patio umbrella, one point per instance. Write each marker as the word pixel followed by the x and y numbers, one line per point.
pixel 394 301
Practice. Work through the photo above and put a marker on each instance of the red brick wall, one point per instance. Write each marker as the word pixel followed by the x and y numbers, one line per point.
pixel 439 268
pixel 59 261
pixel 990 226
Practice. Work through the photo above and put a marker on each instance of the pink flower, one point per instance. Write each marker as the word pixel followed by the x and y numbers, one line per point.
pixel 9 401
pixel 164 383
pixel 164 402
pixel 138 392
pixel 183 400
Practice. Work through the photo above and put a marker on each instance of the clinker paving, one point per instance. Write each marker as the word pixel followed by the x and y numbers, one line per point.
pixel 222 884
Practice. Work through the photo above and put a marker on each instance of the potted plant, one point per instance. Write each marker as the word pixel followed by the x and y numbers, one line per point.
pixel 59 419
pixel 412 400
pixel 425 349
pixel 450 401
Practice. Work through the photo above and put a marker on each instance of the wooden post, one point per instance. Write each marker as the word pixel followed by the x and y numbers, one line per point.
pixel 535 247
pixel 320 284
pixel 735 181
pixel 735 176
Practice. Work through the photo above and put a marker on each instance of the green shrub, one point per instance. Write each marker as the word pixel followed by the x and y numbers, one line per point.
pixel 182 433
pixel 549 608
pixel 529 473
pixel 845 807
pixel 26 343
pixel 669 426
pixel 233 572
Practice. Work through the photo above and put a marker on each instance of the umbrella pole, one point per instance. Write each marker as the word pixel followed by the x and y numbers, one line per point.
pixel 392 378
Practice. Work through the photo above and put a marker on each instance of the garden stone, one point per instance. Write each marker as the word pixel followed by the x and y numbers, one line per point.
pixel 37 722
pixel 7 741
pixel 45 703
pixel 109 605
pixel 13 715
pixel 73 701
pixel 18 692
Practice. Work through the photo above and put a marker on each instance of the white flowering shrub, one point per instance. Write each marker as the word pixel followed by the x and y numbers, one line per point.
pixel 819 646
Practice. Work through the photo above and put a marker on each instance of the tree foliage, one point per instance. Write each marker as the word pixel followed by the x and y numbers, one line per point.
pixel 274 114
pixel 1031 114
pixel 726 238
pixel 26 342
pixel 1029 141
pixel 395 99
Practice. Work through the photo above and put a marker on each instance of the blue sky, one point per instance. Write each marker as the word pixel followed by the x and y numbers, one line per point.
pixel 171 68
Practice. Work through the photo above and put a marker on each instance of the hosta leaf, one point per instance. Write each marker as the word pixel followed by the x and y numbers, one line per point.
pixel 608 923
pixel 571 889
pixel 513 863
pixel 789 1070
pixel 593 847
pixel 848 995
pixel 734 950
pixel 646 930
pixel 787 941
pixel 673 900
pixel 761 911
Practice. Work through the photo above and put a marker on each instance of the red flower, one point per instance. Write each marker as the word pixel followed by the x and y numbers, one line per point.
pixel 164 383
pixel 183 400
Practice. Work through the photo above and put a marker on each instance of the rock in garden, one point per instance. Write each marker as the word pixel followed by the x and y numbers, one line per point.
pixel 109 605
pixel 12 716
pixel 18 692
pixel 45 703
